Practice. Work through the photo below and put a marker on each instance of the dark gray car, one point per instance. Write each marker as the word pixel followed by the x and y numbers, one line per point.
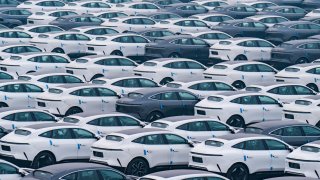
pixel 292 132
pixel 186 9
pixel 150 104
pixel 12 17
pixel 290 12
pixel 291 30
pixel 310 4
pixel 73 21
pixel 161 15
pixel 296 52
pixel 155 33
pixel 179 46
pixel 315 19
pixel 287 2
pixel 76 171
pixel 237 11
pixel 242 28
pixel 9 3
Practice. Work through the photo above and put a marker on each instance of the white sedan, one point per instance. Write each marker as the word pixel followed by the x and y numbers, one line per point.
pixel 14 36
pixel 70 99
pixel 211 37
pixel 9 50
pixel 92 67
pixel 35 30
pixel 184 25
pixel 212 19
pixel 126 44
pixel 305 74
pixel 10 171
pixel 164 70
pixel 268 20
pixel 242 108
pixel 304 160
pixel 87 7
pixel 35 62
pixel 45 17
pixel 135 8
pixel 94 31
pixel 42 5
pixel 211 4
pixel 240 49
pixel 104 124
pixel 196 129
pixel 241 73
pixel 203 88
pixel 240 155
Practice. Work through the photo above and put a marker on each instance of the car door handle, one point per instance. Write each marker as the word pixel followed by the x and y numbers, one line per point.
pixel 174 150
pixel 249 157
pixel 273 156
pixel 82 145
pixel 55 145
pixel 124 70
pixel 244 110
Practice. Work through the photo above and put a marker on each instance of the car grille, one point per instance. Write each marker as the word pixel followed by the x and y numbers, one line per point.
pixel 5 148
pixel 294 165
pixel 201 112
pixel 197 159
pixel 41 104
pixel 98 154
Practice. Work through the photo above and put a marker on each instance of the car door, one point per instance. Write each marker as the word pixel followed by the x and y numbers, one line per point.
pixel 196 131
pixel 109 67
pixel 178 70
pixel 13 93
pixel 186 48
pixel 259 29
pixel 107 99
pixel 127 67
pixel 196 70
pixel 9 172
pixel 84 140
pixel 248 73
pixel 32 92
pixel 271 109
pixel 188 102
pixel 311 133
pixel 128 123
pixel 202 49
pixel 250 109
pixel 140 43
pixel 311 50
pixel 104 125
pixel 266 73
pixel 278 153
pixel 170 104
pixel 17 120
pixel 218 128
pixel 251 49
pixel 265 50
pixel 62 143
pixel 292 135
pixel 128 46
pixel 302 91
pixel 179 149
pixel 87 99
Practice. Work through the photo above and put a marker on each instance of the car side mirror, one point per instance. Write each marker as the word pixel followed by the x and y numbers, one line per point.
pixel 190 143
pixel 233 131
pixel 290 149
pixel 280 104
pixel 97 137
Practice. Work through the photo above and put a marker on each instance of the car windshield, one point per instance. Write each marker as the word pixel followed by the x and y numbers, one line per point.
pixel 310 149
pixel 15 57
pixel 24 78
pixel 253 89
pixel 81 60
pixel 114 138
pixel 213 143
pixel 292 70
pixel 224 42
pixel 279 26
pixel 135 95
pixel 220 67
pixel 149 64
pixel 22 132
pixel 173 85
pixel 99 81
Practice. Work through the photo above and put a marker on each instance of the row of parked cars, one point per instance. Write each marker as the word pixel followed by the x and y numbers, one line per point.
pixel 216 89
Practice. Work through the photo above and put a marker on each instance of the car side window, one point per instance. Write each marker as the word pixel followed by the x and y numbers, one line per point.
pixel 41 116
pixel 291 131
pixel 187 96
pixel 196 126
pixel 104 92
pixel 300 90
pixel 247 68
pixel 125 62
pixel 264 68
pixel 82 134
pixel 267 100
pixel 127 121
pixel 217 126
pixel 275 145
pixel 147 83
pixel 23 117
pixel 155 139
pixel 33 88
pixel 175 139
pixel 111 175
pixel 82 175
pixel 255 145
pixel 194 65
pixel 169 96
pixel 86 92
pixel 310 131
pixel 8 169
pixel 61 134
pixel 246 100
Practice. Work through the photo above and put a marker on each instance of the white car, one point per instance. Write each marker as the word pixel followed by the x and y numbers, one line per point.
pixel 6 76
pixel 35 62
pixel 203 88
pixel 13 91
pixel 283 92
pixel 211 4
pixel 14 36
pixel 46 144
pixel 304 160
pixel 260 5
pixel 212 37
pixel 42 5
pixel 134 8
pixel 94 31
pixel 70 99
pixel 179 174
pixel 130 23
pixel 306 74
pixel 183 25
pixel 139 150
pixel 164 70
pixel 13 118
pixel 196 129
pixel 125 44
pixel 92 67
pixel 7 51
pixel 110 14
pixel 104 124
pixel 238 108
pixel 50 80
pixel 269 20
pixel 305 109
pixel 125 85
pixel 45 17
pixel 212 19
pixel 241 73
pixel 313 13
pixel 66 42
pixel 237 49
pixel 35 30
pixel 87 7
pixel 10 171
pixel 240 155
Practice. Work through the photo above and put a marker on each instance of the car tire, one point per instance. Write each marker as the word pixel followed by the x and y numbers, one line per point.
pixel 236 121
pixel 174 55
pixel 313 87
pixel 302 61
pixel 241 57
pixel 58 50
pixel 155 115
pixel 165 81
pixel 239 84
pixel 116 53
pixel 138 167
pixel 73 110
pixel 3 105
pixel 43 159
pixel 238 172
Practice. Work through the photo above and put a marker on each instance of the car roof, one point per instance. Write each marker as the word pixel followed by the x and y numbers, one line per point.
pixel 301 41
pixel 178 172
pixel 231 93
pixel 182 118
pixel 46 125
pixel 64 168
pixel 281 7
pixel 288 23
pixel 239 136
pixel 147 91
pixel 138 131
pixel 271 125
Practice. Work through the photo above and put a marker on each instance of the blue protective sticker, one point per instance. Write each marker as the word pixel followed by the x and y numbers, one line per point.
pixel 5 97
pixel 245 158
pixel 80 101
pixel 145 152
pixel 47 86
pixel 13 127
pixel 50 142
pixel 242 76
pixel 78 146
pixel 161 106
pixel 241 110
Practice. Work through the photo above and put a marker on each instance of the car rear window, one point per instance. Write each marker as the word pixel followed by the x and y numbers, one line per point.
pixel 70 120
pixel 292 69
pixel 214 98
pixel 42 174
pixel 22 132
pixel 114 138
pixel 253 130
pixel 213 143
pixel 135 95
pixel 99 82
pixel 310 149
pixel 55 91
pixel 303 102
pixel 149 64
pixel 253 89
pixel 15 57
pixel 224 42
pixel 159 125
pixel 173 85
pixel 81 60
pixel 220 67
pixel 24 78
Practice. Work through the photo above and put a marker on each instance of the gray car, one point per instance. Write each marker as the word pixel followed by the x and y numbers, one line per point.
pixel 291 30
pixel 315 19
pixel 292 132
pixel 150 104
pixel 186 9
pixel 237 11
pixel 163 3
pixel 287 2
pixel 12 17
pixel 9 3
pixel 290 12
pixel 73 21
pixel 155 33
pixel 76 171
pixel 310 4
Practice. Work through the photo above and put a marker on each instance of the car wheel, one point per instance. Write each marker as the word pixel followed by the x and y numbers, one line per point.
pixel 3 105
pixel 73 110
pixel 238 172
pixel 238 84
pixel 138 167
pixel 43 159
pixel 302 61
pixel 154 116
pixel 174 55
pixel 117 53
pixel 166 81
pixel 236 121
pixel 58 50
pixel 241 58
pixel 313 87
